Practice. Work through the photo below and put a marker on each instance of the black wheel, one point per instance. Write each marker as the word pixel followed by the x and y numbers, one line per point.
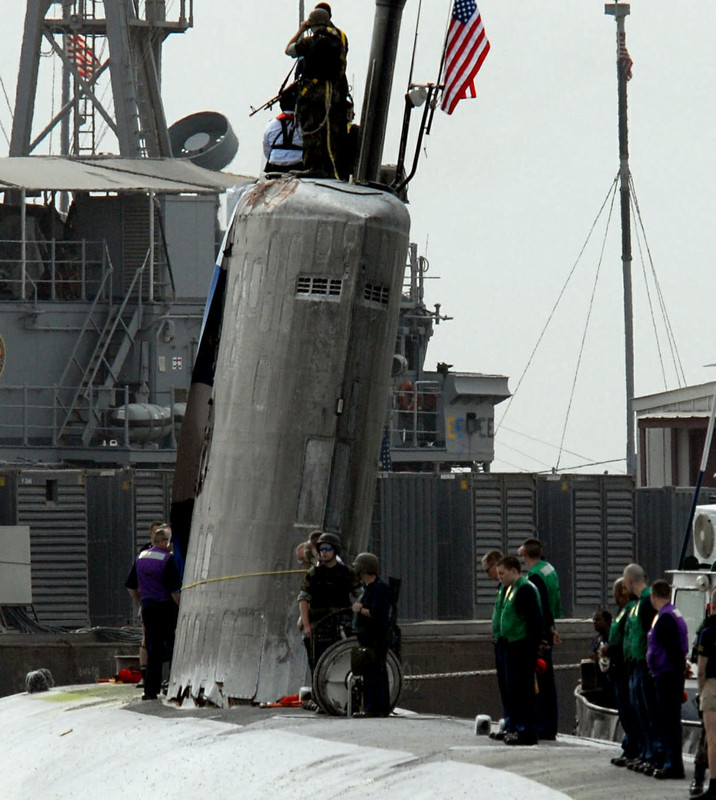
pixel 333 671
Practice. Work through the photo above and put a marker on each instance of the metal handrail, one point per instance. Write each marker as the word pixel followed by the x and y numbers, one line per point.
pixel 88 319
pixel 54 265
pixel 29 413
pixel 118 316
pixel 98 356
pixel 408 414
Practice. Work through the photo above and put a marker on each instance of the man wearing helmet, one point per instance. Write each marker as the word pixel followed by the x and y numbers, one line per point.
pixel 322 111
pixel 372 624
pixel 326 590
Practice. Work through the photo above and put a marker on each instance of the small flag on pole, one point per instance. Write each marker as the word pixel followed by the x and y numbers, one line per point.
pixel 624 58
pixel 82 54
pixel 465 50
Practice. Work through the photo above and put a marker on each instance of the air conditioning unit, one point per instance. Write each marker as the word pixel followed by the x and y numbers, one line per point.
pixel 704 531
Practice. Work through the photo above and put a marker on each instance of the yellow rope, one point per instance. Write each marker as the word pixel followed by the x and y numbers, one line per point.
pixel 244 575
pixel 328 131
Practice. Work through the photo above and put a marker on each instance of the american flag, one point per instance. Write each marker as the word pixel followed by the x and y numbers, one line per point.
pixel 82 54
pixel 465 50
pixel 624 59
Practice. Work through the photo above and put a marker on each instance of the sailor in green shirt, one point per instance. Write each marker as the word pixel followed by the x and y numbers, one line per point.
pixel 642 695
pixel 619 674
pixel 489 564
pixel 544 576
pixel 521 629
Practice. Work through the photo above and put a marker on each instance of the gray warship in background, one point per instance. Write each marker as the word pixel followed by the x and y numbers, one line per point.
pixel 312 353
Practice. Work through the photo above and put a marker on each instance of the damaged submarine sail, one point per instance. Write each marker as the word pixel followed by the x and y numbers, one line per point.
pixel 284 437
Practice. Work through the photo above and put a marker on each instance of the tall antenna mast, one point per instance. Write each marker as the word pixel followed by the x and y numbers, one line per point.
pixel 75 31
pixel 624 63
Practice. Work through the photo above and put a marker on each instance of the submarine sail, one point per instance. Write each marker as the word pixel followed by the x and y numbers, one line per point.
pixel 313 286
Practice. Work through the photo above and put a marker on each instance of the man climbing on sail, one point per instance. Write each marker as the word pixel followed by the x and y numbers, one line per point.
pixel 322 102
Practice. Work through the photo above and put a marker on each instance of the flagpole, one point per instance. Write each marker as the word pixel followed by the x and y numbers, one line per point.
pixel 620 11
pixel 445 44
pixel 438 84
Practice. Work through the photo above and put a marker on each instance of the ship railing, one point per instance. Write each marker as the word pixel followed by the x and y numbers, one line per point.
pixel 54 270
pixel 179 15
pixel 416 415
pixel 31 418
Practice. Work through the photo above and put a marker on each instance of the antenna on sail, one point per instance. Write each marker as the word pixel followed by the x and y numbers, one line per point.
pixel 624 64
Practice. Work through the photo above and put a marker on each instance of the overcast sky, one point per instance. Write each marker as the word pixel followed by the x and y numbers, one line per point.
pixel 509 187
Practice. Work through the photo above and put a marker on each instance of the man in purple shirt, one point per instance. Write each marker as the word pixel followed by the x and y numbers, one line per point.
pixel 667 645
pixel 154 582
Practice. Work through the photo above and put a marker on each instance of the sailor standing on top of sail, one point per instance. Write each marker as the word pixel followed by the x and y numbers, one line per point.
pixel 321 111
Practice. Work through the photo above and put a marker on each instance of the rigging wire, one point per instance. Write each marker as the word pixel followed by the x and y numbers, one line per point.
pixel 526 455
pixel 586 328
pixel 104 127
pixel 442 54
pixel 547 444
pixel 590 464
pixel 4 133
pixel 52 100
pixel 500 460
pixel 7 99
pixel 7 102
pixel 651 305
pixel 678 366
pixel 611 192
pixel 415 45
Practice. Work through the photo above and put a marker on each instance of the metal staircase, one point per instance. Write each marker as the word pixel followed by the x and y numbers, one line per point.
pixel 89 385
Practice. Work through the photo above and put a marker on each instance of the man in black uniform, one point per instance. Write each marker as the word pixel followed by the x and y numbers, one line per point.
pixel 322 107
pixel 372 623
pixel 326 590
pixel 544 576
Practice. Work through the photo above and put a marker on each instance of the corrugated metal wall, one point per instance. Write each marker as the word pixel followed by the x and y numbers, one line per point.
pixel 505 514
pixel 419 534
pixel 111 545
pixel 85 529
pixel 54 504
pixel 406 539
pixel 152 498
pixel 587 526
pixel 662 515
pixel 603 538
pixel 429 530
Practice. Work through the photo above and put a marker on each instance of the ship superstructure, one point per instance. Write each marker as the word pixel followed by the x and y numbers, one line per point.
pixel 104 261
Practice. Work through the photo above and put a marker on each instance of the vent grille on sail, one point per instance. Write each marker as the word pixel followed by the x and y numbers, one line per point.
pixel 375 293
pixel 318 286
